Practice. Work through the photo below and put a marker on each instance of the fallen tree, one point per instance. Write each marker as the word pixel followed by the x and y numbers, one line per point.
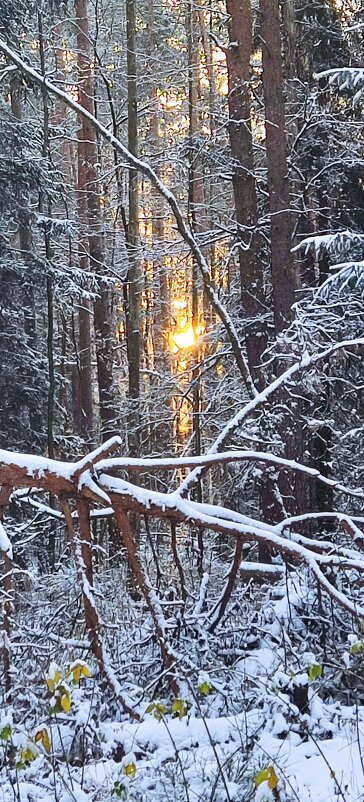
pixel 95 486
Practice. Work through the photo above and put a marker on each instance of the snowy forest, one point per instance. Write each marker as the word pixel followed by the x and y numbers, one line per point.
pixel 182 401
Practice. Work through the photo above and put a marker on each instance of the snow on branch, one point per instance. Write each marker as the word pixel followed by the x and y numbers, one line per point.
pixel 74 480
pixel 335 243
pixel 346 78
pixel 306 362
pixel 165 463
pixel 173 505
pixel 350 277
pixel 5 544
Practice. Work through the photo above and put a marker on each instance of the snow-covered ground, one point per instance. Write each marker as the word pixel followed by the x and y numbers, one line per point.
pixel 268 751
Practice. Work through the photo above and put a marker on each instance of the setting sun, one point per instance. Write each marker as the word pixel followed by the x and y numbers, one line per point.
pixel 184 338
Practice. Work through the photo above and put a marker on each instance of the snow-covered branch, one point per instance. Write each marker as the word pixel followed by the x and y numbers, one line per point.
pixel 87 481
pixel 306 362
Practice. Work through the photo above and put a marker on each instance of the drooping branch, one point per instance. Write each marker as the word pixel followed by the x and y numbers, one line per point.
pixel 306 362
pixel 209 460
pixel 348 523
pixel 173 506
pixel 87 481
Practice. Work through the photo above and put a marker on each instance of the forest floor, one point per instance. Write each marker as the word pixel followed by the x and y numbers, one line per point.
pixel 274 712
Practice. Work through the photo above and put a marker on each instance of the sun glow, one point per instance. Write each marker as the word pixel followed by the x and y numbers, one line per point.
pixel 184 338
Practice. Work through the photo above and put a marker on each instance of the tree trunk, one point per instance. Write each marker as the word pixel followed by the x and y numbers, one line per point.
pixel 134 278
pixel 288 11
pixel 8 587
pixel 281 222
pixel 278 491
pixel 197 209
pixel 85 311
pixel 102 306
pixel 162 435
pixel 240 133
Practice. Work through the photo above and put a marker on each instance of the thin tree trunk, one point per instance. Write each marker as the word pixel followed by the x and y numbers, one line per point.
pixel 197 213
pixel 134 278
pixel 85 135
pixel 162 308
pixel 48 254
pixel 26 298
pixel 8 587
pixel 50 306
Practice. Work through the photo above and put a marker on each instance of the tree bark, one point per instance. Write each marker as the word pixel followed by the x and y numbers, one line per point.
pixel 163 430
pixel 85 417
pixel 90 208
pixel 281 221
pixel 134 277
pixel 197 210
pixel 238 56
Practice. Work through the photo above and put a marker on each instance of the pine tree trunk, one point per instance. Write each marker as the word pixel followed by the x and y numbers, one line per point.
pixel 26 297
pixel 281 222
pixel 240 133
pixel 277 491
pixel 85 414
pixel 197 211
pixel 88 160
pixel 161 412
pixel 134 277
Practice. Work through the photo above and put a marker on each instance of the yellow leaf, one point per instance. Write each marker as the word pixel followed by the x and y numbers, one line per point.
pixel 76 673
pixel 27 754
pixel 261 777
pixel 130 770
pixel 180 706
pixel 54 678
pixel 43 737
pixel 357 647
pixel 333 775
pixel 272 779
pixel 159 711
pixel 314 672
pixel 66 701
pixel 267 775
pixel 79 670
pixel 204 688
pixel 46 741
